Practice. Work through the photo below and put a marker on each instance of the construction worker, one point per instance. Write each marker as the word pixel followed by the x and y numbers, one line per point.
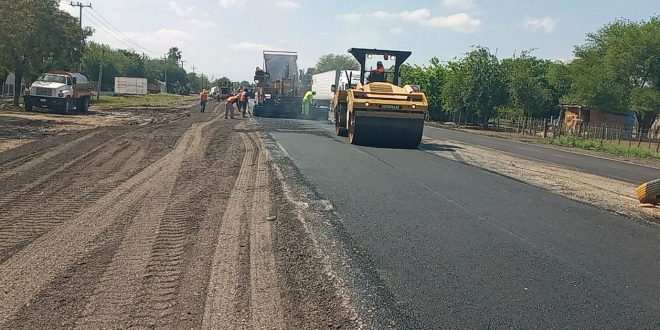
pixel 229 106
pixel 307 101
pixel 378 75
pixel 203 99
pixel 243 101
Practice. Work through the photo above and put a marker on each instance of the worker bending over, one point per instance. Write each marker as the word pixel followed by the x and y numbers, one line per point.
pixel 308 99
pixel 229 106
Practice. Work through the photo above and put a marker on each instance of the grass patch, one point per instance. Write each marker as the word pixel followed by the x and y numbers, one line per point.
pixel 149 100
pixel 608 147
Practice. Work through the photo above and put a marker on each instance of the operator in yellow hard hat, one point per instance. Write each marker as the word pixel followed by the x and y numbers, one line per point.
pixel 308 99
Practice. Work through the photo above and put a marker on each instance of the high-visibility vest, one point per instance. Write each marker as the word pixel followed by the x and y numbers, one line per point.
pixel 232 99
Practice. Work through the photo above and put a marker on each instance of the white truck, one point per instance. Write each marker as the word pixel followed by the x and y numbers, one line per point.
pixel 61 91
pixel 322 84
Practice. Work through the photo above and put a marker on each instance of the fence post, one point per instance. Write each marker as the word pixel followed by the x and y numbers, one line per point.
pixel 657 147
pixel 545 128
pixel 640 132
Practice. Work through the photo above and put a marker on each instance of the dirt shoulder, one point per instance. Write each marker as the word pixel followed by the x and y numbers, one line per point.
pixel 537 140
pixel 174 223
pixel 614 195
pixel 18 127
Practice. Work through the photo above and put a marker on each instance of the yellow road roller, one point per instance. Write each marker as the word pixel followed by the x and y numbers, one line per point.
pixel 377 110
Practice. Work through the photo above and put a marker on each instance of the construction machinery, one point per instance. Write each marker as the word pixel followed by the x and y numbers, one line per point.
pixel 278 90
pixel 377 110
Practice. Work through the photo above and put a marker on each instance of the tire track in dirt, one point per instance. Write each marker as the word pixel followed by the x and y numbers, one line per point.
pixel 35 160
pixel 24 222
pixel 31 269
pixel 243 290
pixel 266 308
pixel 117 293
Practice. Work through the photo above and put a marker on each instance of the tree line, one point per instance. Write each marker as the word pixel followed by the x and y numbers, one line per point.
pixel 36 37
pixel 616 70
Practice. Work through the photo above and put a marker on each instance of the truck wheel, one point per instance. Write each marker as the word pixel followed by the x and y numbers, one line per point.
pixel 83 104
pixel 66 108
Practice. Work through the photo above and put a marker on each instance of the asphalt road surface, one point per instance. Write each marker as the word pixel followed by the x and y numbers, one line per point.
pixel 457 246
pixel 585 163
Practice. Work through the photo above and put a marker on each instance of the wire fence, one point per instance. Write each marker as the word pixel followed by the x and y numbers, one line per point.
pixel 630 137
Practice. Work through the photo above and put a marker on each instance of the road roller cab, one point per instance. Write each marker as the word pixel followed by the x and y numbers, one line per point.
pixel 377 110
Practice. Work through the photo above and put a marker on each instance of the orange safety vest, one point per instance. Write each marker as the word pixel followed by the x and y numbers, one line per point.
pixel 204 96
pixel 380 69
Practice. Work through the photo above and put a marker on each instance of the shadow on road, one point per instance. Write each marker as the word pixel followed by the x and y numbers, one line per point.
pixel 438 147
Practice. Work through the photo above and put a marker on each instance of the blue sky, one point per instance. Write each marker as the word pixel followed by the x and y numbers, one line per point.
pixel 226 37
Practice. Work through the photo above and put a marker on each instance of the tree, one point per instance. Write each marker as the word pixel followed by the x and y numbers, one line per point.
pixel 38 37
pixel 331 62
pixel 174 54
pixel 618 69
pixel 530 92
pixel 245 83
pixel 475 85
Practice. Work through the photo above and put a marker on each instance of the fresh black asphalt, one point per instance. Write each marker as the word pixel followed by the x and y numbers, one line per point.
pixel 595 165
pixel 460 247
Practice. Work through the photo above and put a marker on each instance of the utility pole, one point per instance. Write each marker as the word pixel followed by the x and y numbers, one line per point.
pixel 193 69
pixel 98 88
pixel 81 6
pixel 182 61
pixel 82 42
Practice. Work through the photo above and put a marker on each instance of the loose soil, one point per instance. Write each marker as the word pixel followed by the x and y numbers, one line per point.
pixel 168 220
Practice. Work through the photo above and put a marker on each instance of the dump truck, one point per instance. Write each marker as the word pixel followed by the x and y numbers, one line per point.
pixel 322 85
pixel 377 110
pixel 278 91
pixel 60 91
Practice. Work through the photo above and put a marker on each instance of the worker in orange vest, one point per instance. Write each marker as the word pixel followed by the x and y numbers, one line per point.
pixel 203 99
pixel 229 106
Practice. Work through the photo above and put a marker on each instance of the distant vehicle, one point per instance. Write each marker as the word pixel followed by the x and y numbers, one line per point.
pixel 213 92
pixel 278 86
pixel 322 85
pixel 377 110
pixel 224 90
pixel 60 91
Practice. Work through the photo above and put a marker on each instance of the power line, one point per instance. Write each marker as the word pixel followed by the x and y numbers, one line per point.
pixel 109 33
pixel 112 26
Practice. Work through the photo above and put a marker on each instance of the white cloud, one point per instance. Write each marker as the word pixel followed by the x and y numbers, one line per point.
pixel 231 3
pixel 250 46
pixel 287 4
pixel 396 30
pixel 459 4
pixel 546 24
pixel 461 22
pixel 350 17
pixel 181 11
pixel 65 6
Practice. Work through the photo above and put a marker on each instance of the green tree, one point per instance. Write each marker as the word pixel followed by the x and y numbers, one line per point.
pixel 618 69
pixel 475 85
pixel 530 92
pixel 174 54
pixel 331 62
pixel 37 36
